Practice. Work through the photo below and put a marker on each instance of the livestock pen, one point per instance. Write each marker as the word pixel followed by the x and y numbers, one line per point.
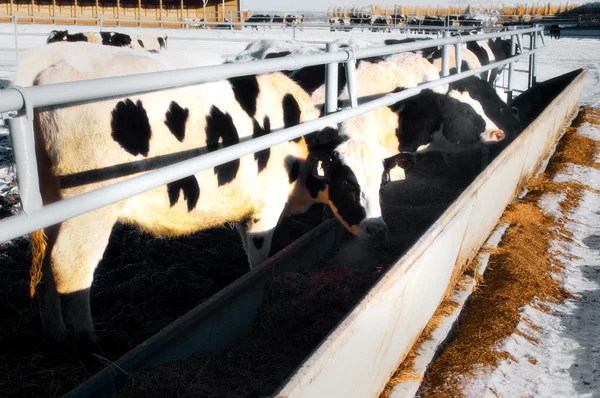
pixel 217 322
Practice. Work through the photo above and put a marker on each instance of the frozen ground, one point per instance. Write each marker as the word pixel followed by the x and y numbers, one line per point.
pixel 564 361
pixel 568 353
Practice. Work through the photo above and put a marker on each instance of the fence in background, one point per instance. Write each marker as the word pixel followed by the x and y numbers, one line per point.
pixel 23 101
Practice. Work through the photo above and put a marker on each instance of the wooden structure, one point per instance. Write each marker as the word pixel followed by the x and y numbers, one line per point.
pixel 165 13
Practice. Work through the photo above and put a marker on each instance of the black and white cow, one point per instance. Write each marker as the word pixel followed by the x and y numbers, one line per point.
pixel 490 51
pixel 258 18
pixel 123 136
pixel 465 113
pixel 470 113
pixel 115 39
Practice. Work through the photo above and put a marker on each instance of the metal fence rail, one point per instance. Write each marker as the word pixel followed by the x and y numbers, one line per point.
pixel 25 99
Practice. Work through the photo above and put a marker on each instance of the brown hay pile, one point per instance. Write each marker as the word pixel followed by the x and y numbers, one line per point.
pixel 520 269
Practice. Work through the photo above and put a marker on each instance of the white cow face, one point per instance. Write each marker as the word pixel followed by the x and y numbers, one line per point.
pixel 353 178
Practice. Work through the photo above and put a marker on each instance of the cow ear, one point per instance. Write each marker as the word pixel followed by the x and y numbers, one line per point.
pixel 403 160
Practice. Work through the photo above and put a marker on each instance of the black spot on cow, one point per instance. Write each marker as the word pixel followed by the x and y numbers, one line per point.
pixel 105 36
pixel 131 127
pixel 161 43
pixel 153 51
pixel 220 127
pixel 77 37
pixel 311 78
pixel 175 119
pixel 480 52
pixel 57 36
pixel 141 43
pixel 292 166
pixel 262 157
pixel 258 241
pixel 38 78
pixel 119 39
pixel 344 193
pixel 191 191
pixel 246 91
pixel 291 112
pixel 277 55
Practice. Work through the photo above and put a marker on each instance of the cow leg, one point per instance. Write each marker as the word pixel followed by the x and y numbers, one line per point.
pixel 79 247
pixel 55 331
pixel 259 233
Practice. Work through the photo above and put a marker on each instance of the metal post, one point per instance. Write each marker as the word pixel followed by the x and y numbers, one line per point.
pixel 331 94
pixel 530 71
pixel 533 78
pixel 160 7
pixel 21 135
pixel 294 31
pixel 511 70
pixel 446 56
pixel 16 30
pixel 351 80
pixel 458 56
pixel 331 82
pixel 230 20
pixel 100 23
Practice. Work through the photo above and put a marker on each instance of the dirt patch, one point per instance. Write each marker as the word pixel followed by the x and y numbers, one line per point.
pixel 520 270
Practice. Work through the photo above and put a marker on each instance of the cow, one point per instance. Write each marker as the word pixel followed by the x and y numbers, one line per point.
pixel 360 19
pixel 487 118
pixel 380 24
pixel 474 55
pixel 116 39
pixel 258 18
pixel 466 112
pixel 84 146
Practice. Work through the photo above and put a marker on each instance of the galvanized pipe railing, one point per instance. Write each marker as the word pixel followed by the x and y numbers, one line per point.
pixel 28 98
pixel 54 213
pixel 93 89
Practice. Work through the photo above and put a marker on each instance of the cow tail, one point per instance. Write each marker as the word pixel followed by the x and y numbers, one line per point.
pixel 38 251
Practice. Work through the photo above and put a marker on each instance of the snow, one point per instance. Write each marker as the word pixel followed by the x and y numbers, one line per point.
pixel 565 361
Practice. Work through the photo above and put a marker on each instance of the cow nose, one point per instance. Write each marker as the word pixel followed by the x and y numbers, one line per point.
pixel 494 136
pixel 498 135
pixel 374 230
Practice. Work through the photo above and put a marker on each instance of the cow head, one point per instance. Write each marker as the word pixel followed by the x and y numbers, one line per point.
pixel 56 36
pixel 348 176
pixel 501 120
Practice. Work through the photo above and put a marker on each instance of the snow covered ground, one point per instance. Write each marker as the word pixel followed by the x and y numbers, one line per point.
pixel 568 352
pixel 562 356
